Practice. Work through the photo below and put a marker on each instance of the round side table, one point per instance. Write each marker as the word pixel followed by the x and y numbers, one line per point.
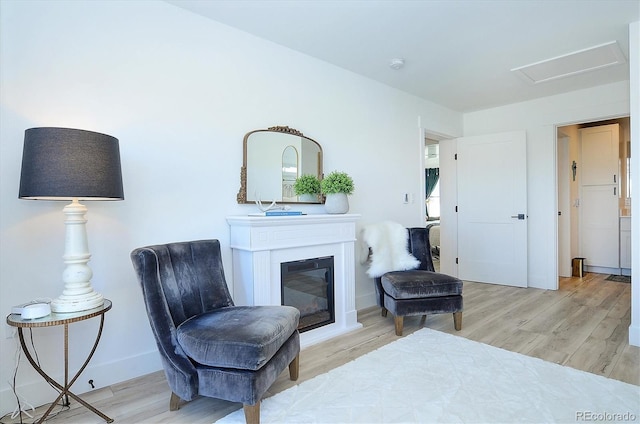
pixel 54 319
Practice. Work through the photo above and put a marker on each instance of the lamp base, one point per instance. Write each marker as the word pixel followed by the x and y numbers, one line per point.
pixel 78 295
pixel 76 303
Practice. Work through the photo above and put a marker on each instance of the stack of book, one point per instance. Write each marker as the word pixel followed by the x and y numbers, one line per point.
pixel 277 213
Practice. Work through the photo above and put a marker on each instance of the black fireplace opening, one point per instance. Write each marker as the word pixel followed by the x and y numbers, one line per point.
pixel 308 285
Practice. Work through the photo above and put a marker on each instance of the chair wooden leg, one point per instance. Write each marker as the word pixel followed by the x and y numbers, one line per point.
pixel 399 325
pixel 252 413
pixel 294 368
pixel 174 402
pixel 384 312
pixel 457 320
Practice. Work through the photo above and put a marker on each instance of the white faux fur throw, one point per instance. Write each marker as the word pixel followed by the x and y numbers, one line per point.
pixel 388 243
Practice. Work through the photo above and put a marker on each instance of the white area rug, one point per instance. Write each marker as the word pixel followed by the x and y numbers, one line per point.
pixel 434 377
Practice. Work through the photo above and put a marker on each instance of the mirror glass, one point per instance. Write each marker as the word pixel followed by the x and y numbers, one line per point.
pixel 272 160
pixel 289 173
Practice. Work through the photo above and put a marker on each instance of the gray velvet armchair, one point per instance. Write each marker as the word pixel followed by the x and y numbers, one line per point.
pixel 420 291
pixel 208 346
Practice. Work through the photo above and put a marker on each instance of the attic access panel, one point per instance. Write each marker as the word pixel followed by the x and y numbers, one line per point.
pixel 578 62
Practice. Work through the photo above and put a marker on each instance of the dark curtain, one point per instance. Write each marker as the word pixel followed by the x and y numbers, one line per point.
pixel 431 178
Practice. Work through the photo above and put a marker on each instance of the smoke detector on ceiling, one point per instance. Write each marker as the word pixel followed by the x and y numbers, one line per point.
pixel 396 63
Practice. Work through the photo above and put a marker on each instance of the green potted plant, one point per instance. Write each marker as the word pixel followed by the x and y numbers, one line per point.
pixel 307 188
pixel 337 186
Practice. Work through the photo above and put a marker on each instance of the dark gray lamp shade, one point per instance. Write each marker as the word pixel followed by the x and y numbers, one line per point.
pixel 66 163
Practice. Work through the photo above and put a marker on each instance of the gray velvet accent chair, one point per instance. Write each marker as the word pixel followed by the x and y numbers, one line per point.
pixel 208 346
pixel 421 291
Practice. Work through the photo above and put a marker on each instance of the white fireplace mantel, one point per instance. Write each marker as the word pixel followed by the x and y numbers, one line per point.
pixel 260 244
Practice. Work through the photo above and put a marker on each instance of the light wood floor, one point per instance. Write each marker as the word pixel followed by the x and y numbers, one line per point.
pixel 583 325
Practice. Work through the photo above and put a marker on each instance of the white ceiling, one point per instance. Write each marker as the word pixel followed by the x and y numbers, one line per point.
pixel 458 53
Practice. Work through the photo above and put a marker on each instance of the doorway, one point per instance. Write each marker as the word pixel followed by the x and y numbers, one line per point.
pixel 432 195
pixel 572 197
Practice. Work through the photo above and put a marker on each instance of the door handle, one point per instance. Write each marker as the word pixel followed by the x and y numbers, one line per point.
pixel 519 216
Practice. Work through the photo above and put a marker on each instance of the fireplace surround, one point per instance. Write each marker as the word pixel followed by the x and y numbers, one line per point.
pixel 260 245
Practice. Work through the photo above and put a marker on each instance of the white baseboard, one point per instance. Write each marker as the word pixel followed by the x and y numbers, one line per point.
pixel 366 301
pixel 602 270
pixel 634 336
pixel 38 392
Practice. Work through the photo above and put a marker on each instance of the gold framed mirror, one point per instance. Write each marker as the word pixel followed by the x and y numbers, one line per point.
pixel 272 160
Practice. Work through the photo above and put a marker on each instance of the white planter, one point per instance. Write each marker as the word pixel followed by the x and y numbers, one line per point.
pixel 336 203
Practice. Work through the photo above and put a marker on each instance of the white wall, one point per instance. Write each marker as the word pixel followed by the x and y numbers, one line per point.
pixel 180 92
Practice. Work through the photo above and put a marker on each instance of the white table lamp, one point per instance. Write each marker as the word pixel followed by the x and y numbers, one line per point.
pixel 71 164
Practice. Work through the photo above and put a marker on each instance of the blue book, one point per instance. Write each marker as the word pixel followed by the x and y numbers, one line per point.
pixel 277 213
pixel 282 213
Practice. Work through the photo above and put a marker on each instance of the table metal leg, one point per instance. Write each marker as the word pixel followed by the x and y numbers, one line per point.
pixel 65 390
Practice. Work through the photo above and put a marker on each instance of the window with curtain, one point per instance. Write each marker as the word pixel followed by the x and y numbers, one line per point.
pixel 432 183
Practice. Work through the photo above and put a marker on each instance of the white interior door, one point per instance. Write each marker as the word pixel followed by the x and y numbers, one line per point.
pixel 599 232
pixel 599 207
pixel 492 208
pixel 564 207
